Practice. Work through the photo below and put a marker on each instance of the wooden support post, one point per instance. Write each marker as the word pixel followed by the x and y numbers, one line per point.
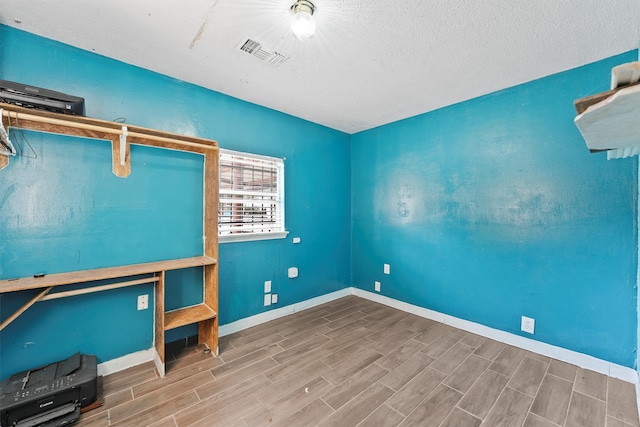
pixel 208 329
pixel 159 358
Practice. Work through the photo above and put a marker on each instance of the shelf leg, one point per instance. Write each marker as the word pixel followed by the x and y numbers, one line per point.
pixel 159 358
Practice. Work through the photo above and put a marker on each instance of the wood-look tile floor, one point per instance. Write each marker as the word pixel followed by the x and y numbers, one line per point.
pixel 353 362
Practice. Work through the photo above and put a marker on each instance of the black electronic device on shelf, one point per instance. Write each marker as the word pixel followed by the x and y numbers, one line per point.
pixel 50 395
pixel 40 98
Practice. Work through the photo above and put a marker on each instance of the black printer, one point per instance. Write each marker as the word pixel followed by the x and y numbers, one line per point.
pixel 40 98
pixel 50 395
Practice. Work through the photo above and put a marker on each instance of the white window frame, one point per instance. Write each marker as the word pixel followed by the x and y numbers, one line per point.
pixel 279 231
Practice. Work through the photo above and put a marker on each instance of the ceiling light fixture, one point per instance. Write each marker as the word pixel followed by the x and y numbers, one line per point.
pixel 303 25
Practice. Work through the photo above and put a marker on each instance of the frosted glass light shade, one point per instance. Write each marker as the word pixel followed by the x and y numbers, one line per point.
pixel 303 25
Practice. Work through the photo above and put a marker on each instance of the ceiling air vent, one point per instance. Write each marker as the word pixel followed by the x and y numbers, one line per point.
pixel 261 52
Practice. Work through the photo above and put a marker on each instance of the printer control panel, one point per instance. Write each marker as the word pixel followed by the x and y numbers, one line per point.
pixel 57 384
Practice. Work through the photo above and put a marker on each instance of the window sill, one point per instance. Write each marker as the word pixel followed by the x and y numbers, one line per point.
pixel 249 237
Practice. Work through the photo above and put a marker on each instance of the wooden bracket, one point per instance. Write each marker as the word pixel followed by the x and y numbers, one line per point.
pixel 121 155
pixel 24 308
pixel 4 160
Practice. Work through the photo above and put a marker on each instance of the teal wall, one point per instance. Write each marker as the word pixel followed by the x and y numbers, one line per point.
pixel 486 210
pixel 65 210
pixel 494 208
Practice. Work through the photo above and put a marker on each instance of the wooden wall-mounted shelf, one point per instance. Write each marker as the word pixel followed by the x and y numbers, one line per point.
pixel 59 279
pixel 204 314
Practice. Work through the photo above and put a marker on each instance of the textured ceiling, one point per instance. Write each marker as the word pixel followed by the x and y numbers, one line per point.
pixel 370 62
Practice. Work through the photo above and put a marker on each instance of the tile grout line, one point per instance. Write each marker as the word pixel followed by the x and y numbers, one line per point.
pixel 566 416
pixel 535 396
pixel 606 401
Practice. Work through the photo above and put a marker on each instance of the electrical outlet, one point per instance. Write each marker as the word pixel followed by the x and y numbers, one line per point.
pixel 292 272
pixel 143 302
pixel 377 286
pixel 528 324
pixel 296 240
pixel 267 286
pixel 267 300
pixel 387 269
pixel 274 298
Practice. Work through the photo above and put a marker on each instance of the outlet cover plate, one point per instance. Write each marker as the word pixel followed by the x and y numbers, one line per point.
pixel 267 286
pixel 274 298
pixel 528 324
pixel 387 269
pixel 267 300
pixel 292 272
pixel 143 302
pixel 377 286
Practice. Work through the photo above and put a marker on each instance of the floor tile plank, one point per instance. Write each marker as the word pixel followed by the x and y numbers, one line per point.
pixel 553 398
pixel 527 378
pixel 452 358
pixel 400 354
pixel 403 373
pixel 460 418
pixel 351 414
pixel 416 390
pixel 510 409
pixel 536 421
pixel 563 370
pixel 154 413
pixel 274 392
pixel 434 409
pixel 508 360
pixel 591 383
pixel 229 415
pixel 484 393
pixel 351 366
pixel 217 401
pixel 290 403
pixel 233 379
pixel 467 373
pixel 585 411
pixel 490 349
pixel 621 402
pixel 354 385
pixel 311 414
pixel 384 416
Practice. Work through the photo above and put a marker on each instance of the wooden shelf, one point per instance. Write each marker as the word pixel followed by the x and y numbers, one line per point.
pixel 59 279
pixel 204 314
pixel 68 124
pixel 188 315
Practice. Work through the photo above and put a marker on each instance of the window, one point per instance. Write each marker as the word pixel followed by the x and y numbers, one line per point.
pixel 251 203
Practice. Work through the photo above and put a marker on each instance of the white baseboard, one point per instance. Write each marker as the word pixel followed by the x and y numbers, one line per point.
pixel 258 319
pixel 126 361
pixel 582 360
pixel 150 355
pixel 158 362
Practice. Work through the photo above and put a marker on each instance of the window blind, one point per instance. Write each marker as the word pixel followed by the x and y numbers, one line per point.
pixel 251 194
